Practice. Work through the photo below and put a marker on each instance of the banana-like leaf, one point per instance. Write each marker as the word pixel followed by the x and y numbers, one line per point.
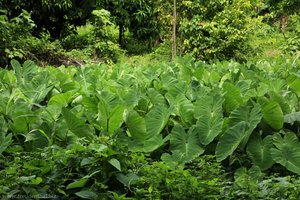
pixel 230 140
pixel 186 145
pixel 208 111
pixel 273 115
pixel 286 151
pixel 76 125
pixel 259 151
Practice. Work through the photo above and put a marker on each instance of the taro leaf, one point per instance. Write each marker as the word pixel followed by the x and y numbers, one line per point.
pixel 61 99
pixel 86 194
pixel 103 114
pixel 286 151
pixel 233 96
pixel 136 125
pixel 153 143
pixel 76 125
pixel 5 141
pixel 294 83
pixel 77 184
pixel 292 118
pixel 131 96
pixel 247 178
pixel 230 140
pixel 259 151
pixel 208 111
pixel 146 131
pixel 187 145
pixel 127 179
pixel 184 109
pixel 115 119
pixel 26 72
pixel 273 115
pixel 156 120
pixel 171 160
pixel 114 162
pixel 156 97
pixel 246 114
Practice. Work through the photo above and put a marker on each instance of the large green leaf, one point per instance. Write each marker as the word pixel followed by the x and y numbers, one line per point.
pixel 26 72
pixel 156 120
pixel 184 109
pixel 187 145
pixel 153 143
pixel 136 125
pixel 292 118
pixel 294 83
pixel 103 114
pixel 76 125
pixel 208 111
pixel 286 151
pixel 249 114
pixel 273 115
pixel 5 141
pixel 115 118
pixel 230 140
pixel 233 98
pixel 259 151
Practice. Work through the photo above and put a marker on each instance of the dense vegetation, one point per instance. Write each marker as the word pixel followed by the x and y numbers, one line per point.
pixel 93 107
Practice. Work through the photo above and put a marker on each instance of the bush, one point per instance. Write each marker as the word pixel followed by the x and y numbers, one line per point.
pixel 13 34
pixel 218 30
pixel 202 178
pixel 97 39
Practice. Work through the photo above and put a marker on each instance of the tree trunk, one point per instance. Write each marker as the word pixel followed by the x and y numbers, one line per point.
pixel 174 31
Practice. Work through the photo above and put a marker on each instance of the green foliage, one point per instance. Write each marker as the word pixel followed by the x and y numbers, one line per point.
pixel 102 131
pixel 158 181
pixel 216 29
pixel 285 151
pixel 259 151
pixel 13 33
pixel 97 40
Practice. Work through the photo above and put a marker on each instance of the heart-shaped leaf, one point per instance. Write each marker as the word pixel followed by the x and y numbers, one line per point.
pixel 76 125
pixel 273 115
pixel 208 110
pixel 230 140
pixel 259 151
pixel 286 151
pixel 187 145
